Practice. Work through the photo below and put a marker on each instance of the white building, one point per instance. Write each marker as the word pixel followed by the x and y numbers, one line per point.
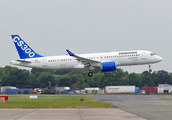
pixel 164 88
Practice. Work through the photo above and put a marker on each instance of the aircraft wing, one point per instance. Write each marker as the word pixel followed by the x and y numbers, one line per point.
pixel 87 62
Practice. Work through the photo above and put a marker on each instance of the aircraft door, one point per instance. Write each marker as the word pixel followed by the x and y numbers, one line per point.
pixel 44 62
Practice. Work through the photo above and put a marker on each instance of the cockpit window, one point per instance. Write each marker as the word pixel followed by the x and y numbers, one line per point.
pixel 152 54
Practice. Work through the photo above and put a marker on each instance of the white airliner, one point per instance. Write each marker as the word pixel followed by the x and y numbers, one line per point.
pixel 105 62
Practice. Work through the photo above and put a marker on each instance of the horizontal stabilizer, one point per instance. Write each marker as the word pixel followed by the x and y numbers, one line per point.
pixel 24 61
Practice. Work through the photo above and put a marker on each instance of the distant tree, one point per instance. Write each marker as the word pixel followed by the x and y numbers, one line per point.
pixel 79 79
pixel 95 80
pixel 62 72
pixel 84 73
pixel 79 84
pixel 44 78
pixel 12 76
pixel 63 81
pixel 146 72
pixel 134 79
pixel 8 69
pixel 171 79
pixel 2 72
pixel 154 78
pixel 95 71
pixel 126 73
pixel 37 71
pixel 106 81
pixel 18 78
pixel 72 80
pixel 112 78
pixel 34 83
pixel 146 79
pixel 163 77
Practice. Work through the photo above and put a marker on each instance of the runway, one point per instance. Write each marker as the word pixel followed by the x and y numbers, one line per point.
pixel 147 106
pixel 127 107
pixel 67 114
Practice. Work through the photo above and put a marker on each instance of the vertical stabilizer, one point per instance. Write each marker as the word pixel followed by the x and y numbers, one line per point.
pixel 23 49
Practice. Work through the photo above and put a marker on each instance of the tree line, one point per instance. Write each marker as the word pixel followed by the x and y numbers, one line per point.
pixel 39 78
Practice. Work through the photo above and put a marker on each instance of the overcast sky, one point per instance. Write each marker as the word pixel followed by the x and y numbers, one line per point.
pixel 88 26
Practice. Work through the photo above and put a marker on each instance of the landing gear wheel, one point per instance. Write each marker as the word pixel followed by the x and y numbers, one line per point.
pixel 150 70
pixel 90 74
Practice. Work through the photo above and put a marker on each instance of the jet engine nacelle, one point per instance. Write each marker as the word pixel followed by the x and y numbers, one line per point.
pixel 108 66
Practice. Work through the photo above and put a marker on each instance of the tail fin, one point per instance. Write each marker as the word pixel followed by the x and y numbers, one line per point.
pixel 23 49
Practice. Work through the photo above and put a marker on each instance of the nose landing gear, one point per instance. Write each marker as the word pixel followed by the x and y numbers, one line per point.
pixel 150 70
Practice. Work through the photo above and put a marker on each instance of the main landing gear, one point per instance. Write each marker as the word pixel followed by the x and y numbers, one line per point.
pixel 90 74
pixel 150 70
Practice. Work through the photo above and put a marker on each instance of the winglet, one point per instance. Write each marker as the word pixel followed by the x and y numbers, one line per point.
pixel 70 53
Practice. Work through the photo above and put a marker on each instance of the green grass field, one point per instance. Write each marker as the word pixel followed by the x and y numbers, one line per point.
pixel 53 101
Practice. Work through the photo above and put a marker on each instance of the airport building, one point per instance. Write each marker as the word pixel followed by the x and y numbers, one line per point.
pixel 164 88
pixel 5 88
pixel 160 89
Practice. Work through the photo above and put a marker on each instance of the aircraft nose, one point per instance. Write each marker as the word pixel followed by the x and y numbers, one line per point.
pixel 159 59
